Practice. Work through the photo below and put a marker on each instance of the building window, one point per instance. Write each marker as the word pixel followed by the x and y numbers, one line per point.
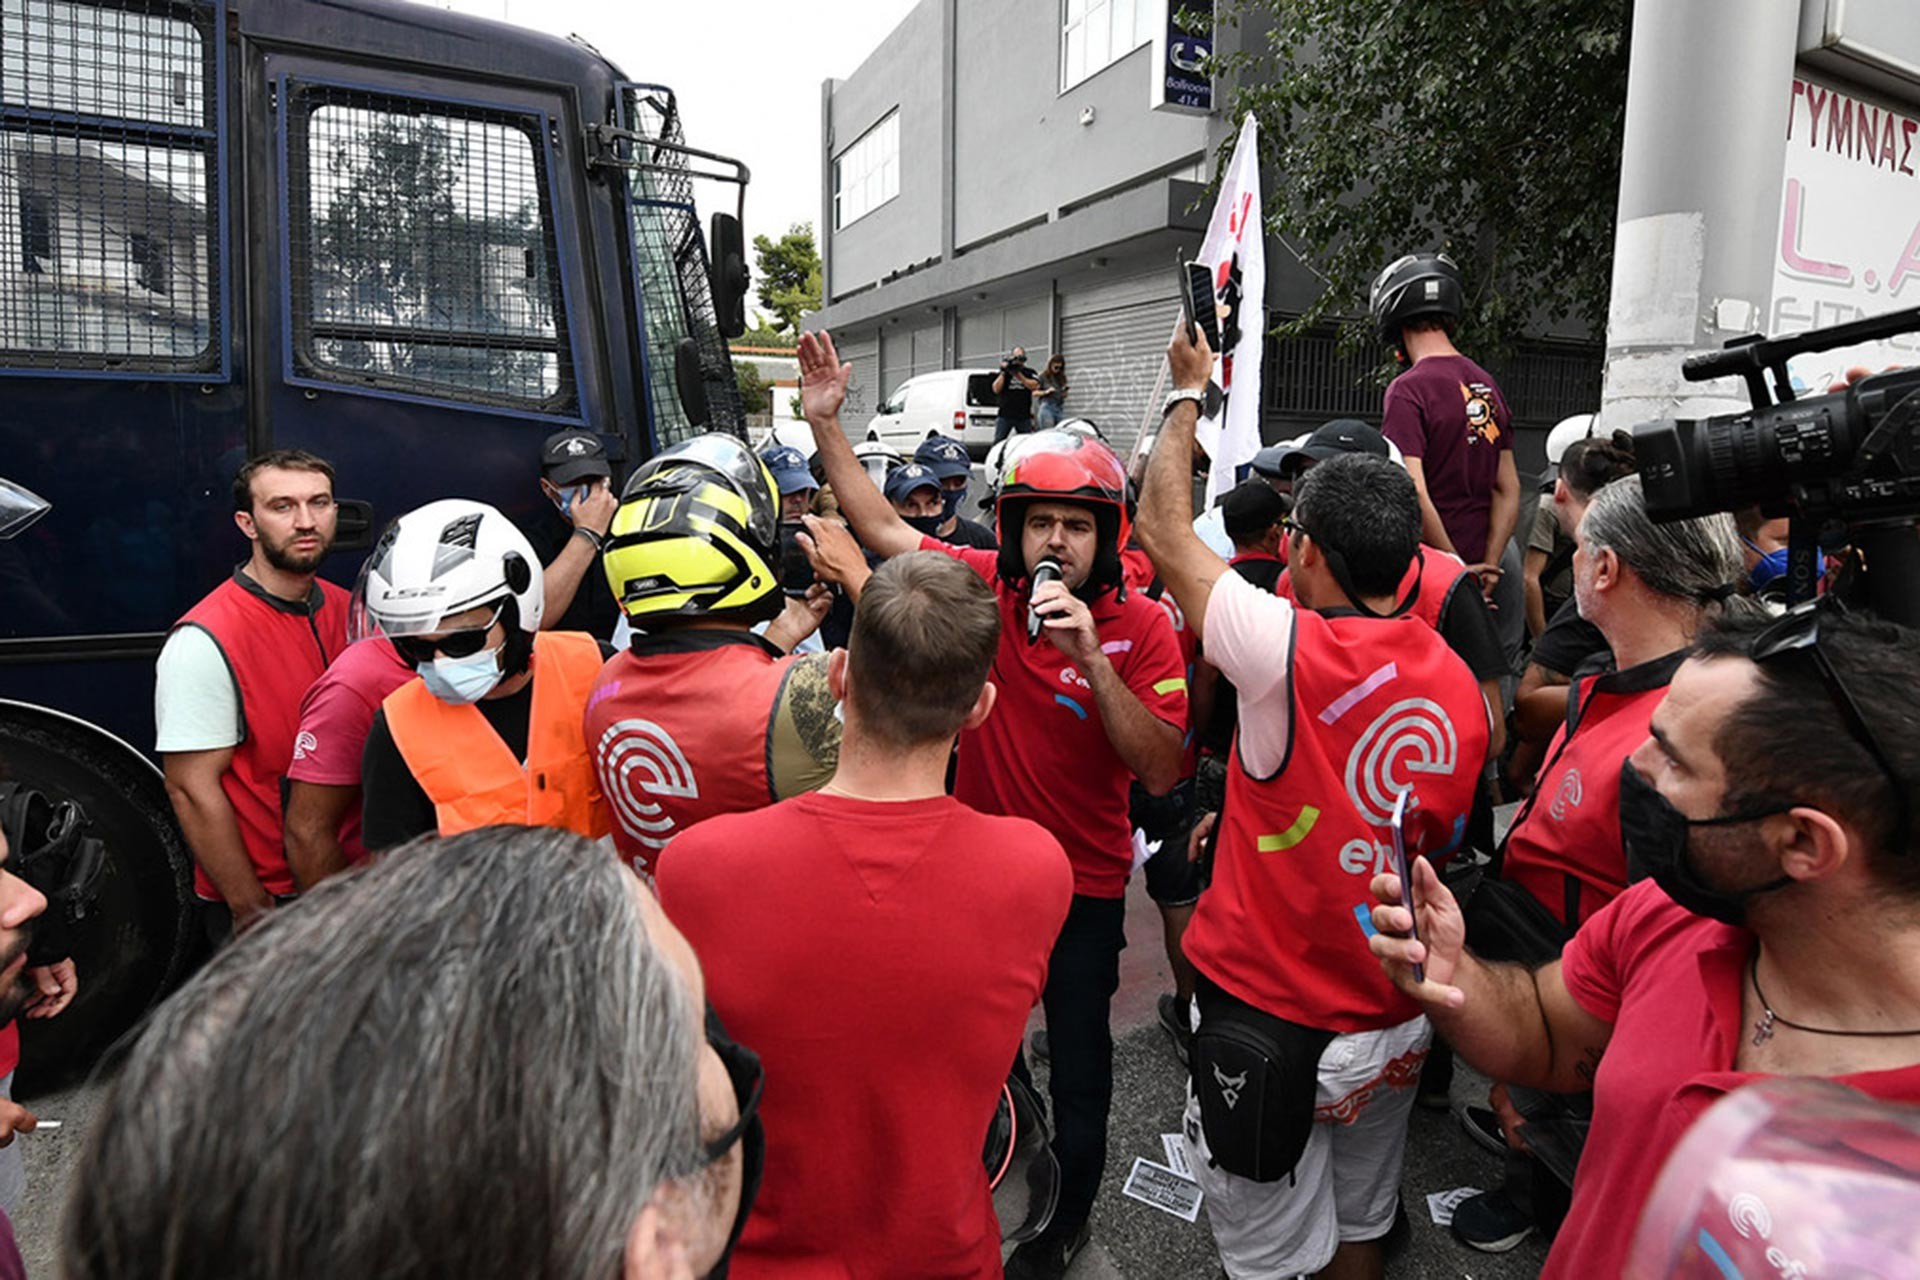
pixel 1095 34
pixel 867 174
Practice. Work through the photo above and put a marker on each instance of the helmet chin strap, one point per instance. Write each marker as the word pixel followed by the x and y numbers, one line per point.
pixel 516 655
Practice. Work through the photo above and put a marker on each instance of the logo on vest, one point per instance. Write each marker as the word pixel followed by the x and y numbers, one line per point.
pixel 1568 797
pixel 640 764
pixel 303 744
pixel 1413 736
pixel 1230 1086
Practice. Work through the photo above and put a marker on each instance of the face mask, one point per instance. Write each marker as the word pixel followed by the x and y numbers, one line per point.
pixel 743 1069
pixel 570 495
pixel 1655 835
pixel 950 500
pixel 462 680
pixel 926 526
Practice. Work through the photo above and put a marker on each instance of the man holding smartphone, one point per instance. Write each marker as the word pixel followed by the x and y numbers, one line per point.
pixel 1342 708
pixel 569 531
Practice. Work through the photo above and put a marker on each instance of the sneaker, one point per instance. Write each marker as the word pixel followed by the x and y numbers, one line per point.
pixel 1483 1126
pixel 1037 1045
pixel 1491 1223
pixel 1047 1256
pixel 1177 1022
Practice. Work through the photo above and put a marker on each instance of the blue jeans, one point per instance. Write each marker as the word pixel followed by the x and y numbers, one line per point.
pixel 1050 413
pixel 1005 426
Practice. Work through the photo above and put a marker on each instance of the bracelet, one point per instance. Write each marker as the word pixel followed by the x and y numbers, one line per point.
pixel 1179 394
pixel 594 540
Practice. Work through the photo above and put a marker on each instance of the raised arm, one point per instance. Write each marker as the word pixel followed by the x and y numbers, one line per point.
pixel 823 389
pixel 1165 522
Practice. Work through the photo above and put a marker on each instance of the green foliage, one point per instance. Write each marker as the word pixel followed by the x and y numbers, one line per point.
pixel 762 334
pixel 789 271
pixel 1489 128
pixel 755 395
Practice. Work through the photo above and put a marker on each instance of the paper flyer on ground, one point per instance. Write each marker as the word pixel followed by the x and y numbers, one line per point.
pixel 1441 1204
pixel 1165 1190
pixel 1176 1148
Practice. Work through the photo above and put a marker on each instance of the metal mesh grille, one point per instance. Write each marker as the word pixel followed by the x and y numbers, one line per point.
pixel 423 257
pixel 109 198
pixel 670 265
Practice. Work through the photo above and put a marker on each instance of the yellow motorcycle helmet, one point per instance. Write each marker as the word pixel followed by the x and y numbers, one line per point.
pixel 697 535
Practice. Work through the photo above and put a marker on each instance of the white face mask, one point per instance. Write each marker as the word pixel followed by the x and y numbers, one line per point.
pixel 462 680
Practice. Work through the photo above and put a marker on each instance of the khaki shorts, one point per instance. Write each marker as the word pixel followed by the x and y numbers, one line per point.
pixel 1347 1183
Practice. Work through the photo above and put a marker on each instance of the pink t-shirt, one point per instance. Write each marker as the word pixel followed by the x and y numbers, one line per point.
pixel 1671 984
pixel 1447 412
pixel 335 717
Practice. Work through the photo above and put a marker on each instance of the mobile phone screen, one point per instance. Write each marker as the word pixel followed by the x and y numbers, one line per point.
pixel 1196 293
pixel 1403 869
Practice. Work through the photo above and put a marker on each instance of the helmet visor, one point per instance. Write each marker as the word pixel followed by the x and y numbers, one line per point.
pixel 733 460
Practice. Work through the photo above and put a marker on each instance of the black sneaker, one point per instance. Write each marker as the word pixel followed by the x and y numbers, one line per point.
pixel 1037 1045
pixel 1177 1022
pixel 1491 1223
pixel 1047 1256
pixel 1483 1126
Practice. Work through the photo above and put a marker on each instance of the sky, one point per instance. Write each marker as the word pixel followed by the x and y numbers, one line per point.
pixel 747 74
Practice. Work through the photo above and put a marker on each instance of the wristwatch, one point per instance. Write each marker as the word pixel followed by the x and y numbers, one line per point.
pixel 1178 394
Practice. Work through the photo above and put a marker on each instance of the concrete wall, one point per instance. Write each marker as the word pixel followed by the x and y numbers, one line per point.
pixel 903 73
pixel 1020 152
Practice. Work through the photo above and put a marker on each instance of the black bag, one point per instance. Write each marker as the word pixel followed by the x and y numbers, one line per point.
pixel 1255 1076
pixel 1505 922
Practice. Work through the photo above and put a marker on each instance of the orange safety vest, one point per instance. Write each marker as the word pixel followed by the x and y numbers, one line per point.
pixel 471 777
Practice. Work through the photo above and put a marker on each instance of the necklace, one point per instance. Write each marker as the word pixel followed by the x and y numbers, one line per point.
pixel 1764 1024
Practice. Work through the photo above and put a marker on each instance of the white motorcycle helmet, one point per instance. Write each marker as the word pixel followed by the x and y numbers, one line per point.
pixel 879 459
pixel 1579 426
pixel 444 559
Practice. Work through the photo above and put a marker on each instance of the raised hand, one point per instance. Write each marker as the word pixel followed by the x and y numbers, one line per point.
pixel 823 379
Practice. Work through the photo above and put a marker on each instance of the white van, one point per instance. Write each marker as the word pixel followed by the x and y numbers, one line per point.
pixel 952 402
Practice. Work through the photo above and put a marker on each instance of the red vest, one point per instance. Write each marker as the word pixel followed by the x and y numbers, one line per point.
pixel 470 775
pixel 682 735
pixel 1423 591
pixel 1378 705
pixel 274 649
pixel 1565 847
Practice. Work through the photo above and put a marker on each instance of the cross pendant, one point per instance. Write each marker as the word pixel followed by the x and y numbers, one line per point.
pixel 1763 1028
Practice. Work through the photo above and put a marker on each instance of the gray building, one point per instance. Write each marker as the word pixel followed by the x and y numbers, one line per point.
pixel 996 174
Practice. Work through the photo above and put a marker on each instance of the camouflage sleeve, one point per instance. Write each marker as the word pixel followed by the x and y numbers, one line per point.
pixel 803 733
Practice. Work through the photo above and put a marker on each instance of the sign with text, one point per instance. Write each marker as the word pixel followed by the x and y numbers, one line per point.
pixel 1849 231
pixel 1182 42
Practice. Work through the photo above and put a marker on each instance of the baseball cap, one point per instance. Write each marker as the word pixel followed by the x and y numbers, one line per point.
pixel 906 479
pixel 789 467
pixel 1250 507
pixel 1342 435
pixel 945 455
pixel 568 456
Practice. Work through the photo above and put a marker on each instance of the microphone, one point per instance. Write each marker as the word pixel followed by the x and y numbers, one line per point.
pixel 1048 570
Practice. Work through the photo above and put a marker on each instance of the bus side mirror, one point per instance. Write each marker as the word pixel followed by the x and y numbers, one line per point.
pixel 728 247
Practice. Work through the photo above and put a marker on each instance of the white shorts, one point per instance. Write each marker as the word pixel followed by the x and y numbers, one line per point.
pixel 1348 1179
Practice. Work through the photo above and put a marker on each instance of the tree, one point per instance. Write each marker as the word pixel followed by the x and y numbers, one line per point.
pixel 762 334
pixel 1489 128
pixel 789 276
pixel 755 395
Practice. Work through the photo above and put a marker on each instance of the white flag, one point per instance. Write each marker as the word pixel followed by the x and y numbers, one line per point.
pixel 1235 252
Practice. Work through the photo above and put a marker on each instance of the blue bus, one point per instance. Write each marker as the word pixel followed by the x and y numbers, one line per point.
pixel 410 241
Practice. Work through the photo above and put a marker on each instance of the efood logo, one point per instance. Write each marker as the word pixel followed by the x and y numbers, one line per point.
pixel 1413 736
pixel 1568 797
pixel 641 765
pixel 304 745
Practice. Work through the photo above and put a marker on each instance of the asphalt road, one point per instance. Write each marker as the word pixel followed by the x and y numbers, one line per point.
pixel 1130 1239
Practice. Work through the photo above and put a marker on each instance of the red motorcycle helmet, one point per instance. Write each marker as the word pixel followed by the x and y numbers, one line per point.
pixel 1063 466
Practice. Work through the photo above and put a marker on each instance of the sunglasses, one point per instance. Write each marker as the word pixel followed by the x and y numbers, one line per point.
pixel 455 644
pixel 1798 631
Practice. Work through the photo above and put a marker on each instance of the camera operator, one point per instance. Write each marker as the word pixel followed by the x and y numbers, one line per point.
pixel 1014 386
pixel 1772 806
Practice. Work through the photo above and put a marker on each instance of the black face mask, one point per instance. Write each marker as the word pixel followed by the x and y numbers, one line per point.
pixel 1655 835
pixel 744 1070
pixel 925 526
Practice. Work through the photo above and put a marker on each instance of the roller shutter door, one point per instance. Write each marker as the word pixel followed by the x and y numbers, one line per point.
pixel 864 391
pixel 1114 358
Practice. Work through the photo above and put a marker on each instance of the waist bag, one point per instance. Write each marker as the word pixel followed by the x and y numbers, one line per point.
pixel 1255 1077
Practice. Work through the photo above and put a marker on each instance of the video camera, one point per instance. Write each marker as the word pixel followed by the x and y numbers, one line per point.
pixel 1844 466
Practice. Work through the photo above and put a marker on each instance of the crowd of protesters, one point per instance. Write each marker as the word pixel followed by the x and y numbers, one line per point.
pixel 665 889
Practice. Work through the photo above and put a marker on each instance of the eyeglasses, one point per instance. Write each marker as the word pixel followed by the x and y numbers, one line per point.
pixel 1798 631
pixel 463 643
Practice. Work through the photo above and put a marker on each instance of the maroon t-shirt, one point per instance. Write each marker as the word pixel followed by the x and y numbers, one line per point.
pixel 1447 412
pixel 882 959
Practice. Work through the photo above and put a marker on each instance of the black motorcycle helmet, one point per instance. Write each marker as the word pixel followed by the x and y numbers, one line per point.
pixel 1419 286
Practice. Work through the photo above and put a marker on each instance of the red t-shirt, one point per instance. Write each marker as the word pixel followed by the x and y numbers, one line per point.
pixel 1671 983
pixel 1043 753
pixel 1447 412
pixel 882 959
pixel 335 717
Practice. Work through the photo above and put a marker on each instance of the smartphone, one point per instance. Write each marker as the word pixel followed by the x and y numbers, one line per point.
pixel 1403 869
pixel 1196 302
pixel 796 571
